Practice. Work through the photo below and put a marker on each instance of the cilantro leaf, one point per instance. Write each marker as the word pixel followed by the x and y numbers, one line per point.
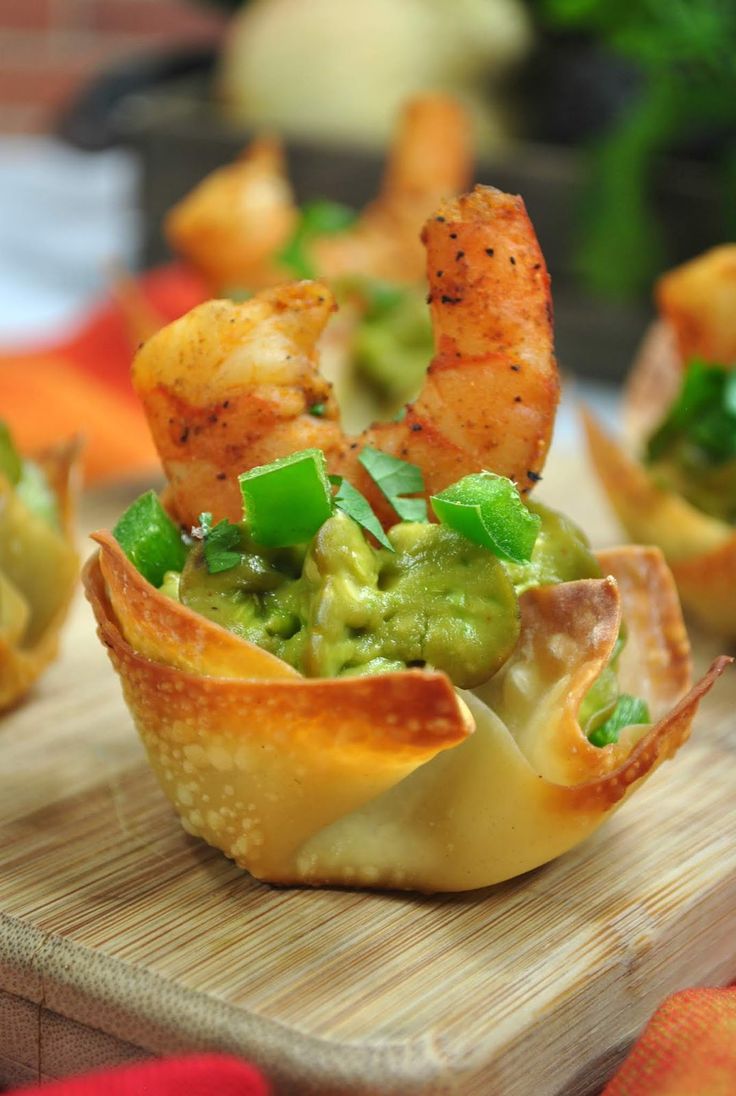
pixel 221 543
pixel 353 503
pixel 487 509
pixel 320 218
pixel 396 478
pixel 199 532
pixel 628 710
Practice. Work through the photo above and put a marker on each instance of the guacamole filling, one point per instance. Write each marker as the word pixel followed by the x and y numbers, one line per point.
pixel 693 451
pixel 393 341
pixel 36 564
pixel 310 575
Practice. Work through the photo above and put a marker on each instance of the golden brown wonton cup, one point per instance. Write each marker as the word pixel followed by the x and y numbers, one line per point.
pixel 396 780
pixel 700 550
pixel 38 573
pixel 697 302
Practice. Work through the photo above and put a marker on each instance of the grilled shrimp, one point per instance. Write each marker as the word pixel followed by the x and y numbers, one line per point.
pixel 429 161
pixel 230 386
pixel 234 224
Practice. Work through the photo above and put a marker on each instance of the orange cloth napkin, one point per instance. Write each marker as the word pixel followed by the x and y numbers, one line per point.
pixel 688 1048
pixel 82 386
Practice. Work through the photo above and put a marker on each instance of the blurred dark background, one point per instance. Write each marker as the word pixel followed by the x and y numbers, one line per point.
pixel 615 119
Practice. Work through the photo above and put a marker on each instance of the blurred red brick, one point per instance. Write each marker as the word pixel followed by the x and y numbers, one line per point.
pixel 160 17
pixel 26 14
pixel 29 118
pixel 51 48
pixel 33 85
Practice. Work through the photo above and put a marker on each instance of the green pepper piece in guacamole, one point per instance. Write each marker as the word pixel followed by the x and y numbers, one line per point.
pixel 561 553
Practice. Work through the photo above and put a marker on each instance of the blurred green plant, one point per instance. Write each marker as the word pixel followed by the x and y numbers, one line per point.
pixel 685 51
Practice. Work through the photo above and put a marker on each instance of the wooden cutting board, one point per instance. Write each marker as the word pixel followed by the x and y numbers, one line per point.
pixel 121 936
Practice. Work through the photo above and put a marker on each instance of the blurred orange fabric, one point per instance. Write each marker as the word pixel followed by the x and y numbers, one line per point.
pixel 82 386
pixel 687 1049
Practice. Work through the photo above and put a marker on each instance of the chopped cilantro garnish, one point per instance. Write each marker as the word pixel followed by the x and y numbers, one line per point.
pixel 287 501
pixel 488 510
pixel 150 539
pixel 318 410
pixel 396 478
pixel 320 218
pixel 629 710
pixel 703 415
pixel 221 543
pixel 350 500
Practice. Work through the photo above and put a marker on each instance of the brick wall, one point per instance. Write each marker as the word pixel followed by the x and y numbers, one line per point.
pixel 50 48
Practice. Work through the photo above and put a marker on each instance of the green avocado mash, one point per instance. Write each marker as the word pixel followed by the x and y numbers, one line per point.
pixel 342 607
pixel 393 342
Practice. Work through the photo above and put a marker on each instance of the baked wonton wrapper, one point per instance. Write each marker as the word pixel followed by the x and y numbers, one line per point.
pixel 697 302
pixel 393 780
pixel 38 573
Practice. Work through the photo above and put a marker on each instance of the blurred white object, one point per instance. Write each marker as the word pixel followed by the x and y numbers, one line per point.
pixel 65 217
pixel 341 69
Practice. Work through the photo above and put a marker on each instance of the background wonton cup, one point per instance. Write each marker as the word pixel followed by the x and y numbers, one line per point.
pixel 38 574
pixel 700 550
pixel 696 302
pixel 387 781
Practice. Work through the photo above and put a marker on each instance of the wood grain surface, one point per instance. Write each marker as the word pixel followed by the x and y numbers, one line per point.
pixel 121 936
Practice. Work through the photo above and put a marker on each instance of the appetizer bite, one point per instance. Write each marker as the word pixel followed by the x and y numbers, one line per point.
pixel 678 487
pixel 240 228
pixel 38 563
pixel 373 661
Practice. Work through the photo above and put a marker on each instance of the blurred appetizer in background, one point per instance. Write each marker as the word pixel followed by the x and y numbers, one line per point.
pixel 678 489
pixel 241 229
pixel 38 563
pixel 339 70
pixel 333 688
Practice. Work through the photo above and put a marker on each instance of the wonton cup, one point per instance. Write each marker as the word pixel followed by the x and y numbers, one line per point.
pixel 38 574
pixel 697 301
pixel 393 780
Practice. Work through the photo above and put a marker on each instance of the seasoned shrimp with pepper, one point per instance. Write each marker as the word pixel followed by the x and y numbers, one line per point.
pixel 430 161
pixel 234 225
pixel 237 385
